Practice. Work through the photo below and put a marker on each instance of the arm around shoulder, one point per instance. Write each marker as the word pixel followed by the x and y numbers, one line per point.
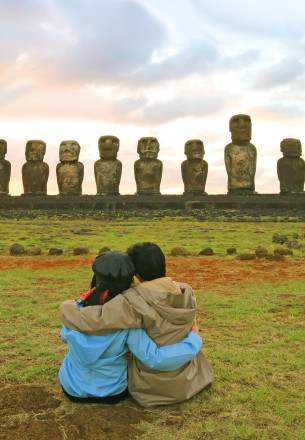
pixel 116 314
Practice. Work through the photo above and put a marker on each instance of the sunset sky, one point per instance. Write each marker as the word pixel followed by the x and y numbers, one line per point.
pixel 172 69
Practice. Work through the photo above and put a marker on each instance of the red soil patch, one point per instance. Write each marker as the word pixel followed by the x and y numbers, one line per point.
pixel 199 272
pixel 202 272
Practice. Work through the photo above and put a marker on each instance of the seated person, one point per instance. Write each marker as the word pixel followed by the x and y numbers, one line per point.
pixel 166 310
pixel 95 369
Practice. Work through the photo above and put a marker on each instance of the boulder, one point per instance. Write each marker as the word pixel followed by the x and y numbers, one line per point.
pixel 280 239
pixel 281 251
pixel 231 251
pixel 275 257
pixel 293 244
pixel 82 250
pixel 261 250
pixel 104 249
pixel 34 250
pixel 179 252
pixel 245 257
pixel 206 251
pixel 55 251
pixel 16 249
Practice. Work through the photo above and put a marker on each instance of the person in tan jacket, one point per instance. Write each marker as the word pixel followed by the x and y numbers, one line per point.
pixel 166 310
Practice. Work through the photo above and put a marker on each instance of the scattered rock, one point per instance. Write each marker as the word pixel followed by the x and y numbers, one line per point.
pixel 275 238
pixel 34 250
pixel 231 251
pixel 55 251
pixel 244 257
pixel 179 252
pixel 261 250
pixel 81 250
pixel 104 249
pixel 82 231
pixel 280 239
pixel 280 251
pixel 206 251
pixel 276 257
pixel 16 249
pixel 294 244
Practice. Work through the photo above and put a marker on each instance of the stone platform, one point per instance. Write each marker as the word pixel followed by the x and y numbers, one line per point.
pixel 274 202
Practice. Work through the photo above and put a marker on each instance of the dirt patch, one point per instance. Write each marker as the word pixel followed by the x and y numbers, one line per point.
pixel 32 412
pixel 38 263
pixel 199 272
pixel 203 273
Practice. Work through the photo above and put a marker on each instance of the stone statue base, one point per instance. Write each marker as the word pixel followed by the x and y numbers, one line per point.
pixel 70 194
pixel 104 194
pixel 35 194
pixel 291 191
pixel 195 193
pixel 241 192
pixel 148 193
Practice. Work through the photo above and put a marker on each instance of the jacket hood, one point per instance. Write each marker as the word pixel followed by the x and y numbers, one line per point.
pixel 174 301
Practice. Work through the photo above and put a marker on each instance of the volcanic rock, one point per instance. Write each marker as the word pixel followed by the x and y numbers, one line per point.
pixel 231 251
pixel 104 249
pixel 206 251
pixel 179 252
pixel 81 250
pixel 34 250
pixel 55 251
pixel 16 249
pixel 280 251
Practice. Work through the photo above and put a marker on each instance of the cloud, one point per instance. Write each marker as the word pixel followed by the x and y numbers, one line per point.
pixel 197 57
pixel 278 112
pixel 80 41
pixel 285 72
pixel 161 112
pixel 264 19
pixel 71 103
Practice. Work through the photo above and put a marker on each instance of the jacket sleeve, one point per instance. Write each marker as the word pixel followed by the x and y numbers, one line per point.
pixel 116 314
pixel 166 358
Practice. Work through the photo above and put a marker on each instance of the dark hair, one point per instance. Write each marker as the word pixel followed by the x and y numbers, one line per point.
pixel 148 259
pixel 113 273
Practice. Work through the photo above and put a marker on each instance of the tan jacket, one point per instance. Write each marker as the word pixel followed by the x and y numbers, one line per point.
pixel 166 310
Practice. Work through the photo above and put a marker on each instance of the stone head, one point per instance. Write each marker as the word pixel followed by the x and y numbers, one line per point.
pixel 3 149
pixel 194 149
pixel 69 151
pixel 35 150
pixel 291 147
pixel 108 147
pixel 240 128
pixel 148 148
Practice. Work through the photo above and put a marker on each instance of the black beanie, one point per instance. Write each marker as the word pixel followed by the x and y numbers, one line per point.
pixel 114 266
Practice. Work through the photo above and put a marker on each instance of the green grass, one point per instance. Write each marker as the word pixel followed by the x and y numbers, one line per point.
pixel 253 333
pixel 168 232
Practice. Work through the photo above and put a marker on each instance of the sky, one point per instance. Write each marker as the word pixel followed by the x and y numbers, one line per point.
pixel 172 69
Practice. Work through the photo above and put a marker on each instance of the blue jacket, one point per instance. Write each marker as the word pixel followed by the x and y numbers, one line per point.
pixel 96 366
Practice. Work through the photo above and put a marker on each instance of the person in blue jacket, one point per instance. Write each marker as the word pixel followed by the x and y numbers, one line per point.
pixel 95 368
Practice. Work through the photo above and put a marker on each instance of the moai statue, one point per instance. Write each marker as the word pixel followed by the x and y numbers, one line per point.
pixel 291 167
pixel 35 172
pixel 240 157
pixel 70 172
pixel 148 169
pixel 108 170
pixel 194 170
pixel 5 169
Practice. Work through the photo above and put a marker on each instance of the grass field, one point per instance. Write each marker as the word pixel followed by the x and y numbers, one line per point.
pixel 250 317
